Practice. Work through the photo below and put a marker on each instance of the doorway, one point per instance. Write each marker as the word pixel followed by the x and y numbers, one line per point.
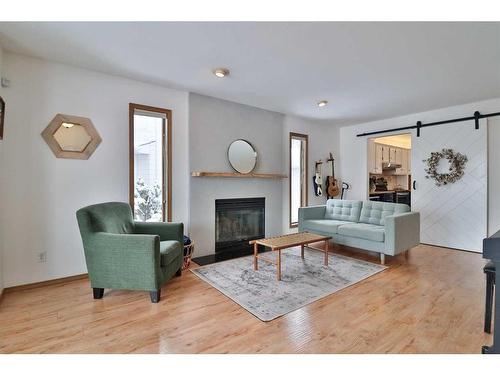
pixel 389 168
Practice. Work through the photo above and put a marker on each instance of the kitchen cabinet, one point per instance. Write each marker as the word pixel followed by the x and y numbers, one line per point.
pixel 378 159
pixel 386 153
pixel 403 160
pixel 374 157
pixel 379 154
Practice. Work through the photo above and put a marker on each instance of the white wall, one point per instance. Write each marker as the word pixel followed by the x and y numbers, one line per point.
pixel 323 138
pixel 44 192
pixel 214 124
pixel 354 150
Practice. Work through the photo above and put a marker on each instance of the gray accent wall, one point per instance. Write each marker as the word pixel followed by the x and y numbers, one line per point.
pixel 214 124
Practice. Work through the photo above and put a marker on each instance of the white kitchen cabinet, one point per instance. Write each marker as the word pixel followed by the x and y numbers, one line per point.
pixel 386 153
pixel 377 167
pixel 398 155
pixel 403 160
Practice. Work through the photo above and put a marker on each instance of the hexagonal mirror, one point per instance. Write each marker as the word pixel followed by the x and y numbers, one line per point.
pixel 71 137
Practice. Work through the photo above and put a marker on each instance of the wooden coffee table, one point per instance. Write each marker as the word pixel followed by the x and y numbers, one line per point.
pixel 283 242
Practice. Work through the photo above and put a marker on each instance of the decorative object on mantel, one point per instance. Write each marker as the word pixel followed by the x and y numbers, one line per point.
pixel 237 175
pixel 457 164
pixel 2 116
pixel 71 137
pixel 242 156
pixel 317 179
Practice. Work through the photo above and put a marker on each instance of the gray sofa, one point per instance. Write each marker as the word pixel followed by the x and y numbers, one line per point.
pixel 385 228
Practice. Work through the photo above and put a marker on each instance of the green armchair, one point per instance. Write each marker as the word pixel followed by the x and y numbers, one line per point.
pixel 125 254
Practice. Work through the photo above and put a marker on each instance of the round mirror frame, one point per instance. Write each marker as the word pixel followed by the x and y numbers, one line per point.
pixel 253 149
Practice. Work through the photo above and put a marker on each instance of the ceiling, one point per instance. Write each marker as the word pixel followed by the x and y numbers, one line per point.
pixel 366 70
pixel 400 140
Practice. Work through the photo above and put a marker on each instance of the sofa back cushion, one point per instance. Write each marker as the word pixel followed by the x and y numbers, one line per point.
pixel 375 212
pixel 339 209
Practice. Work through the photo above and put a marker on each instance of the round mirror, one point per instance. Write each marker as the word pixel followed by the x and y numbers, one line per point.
pixel 242 156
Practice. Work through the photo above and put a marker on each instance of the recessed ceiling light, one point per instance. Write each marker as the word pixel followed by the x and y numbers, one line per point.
pixel 322 103
pixel 221 72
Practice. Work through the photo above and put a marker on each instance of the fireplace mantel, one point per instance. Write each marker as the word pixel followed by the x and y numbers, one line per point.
pixel 238 175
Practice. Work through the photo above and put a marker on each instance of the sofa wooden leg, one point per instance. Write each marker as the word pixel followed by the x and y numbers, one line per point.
pixel 179 272
pixel 98 292
pixel 382 259
pixel 155 296
pixel 407 254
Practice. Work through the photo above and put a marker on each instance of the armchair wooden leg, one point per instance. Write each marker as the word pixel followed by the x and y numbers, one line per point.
pixel 98 292
pixel 155 296
pixel 179 272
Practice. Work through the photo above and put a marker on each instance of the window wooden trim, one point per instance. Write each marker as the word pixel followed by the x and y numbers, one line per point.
pixel 305 138
pixel 167 153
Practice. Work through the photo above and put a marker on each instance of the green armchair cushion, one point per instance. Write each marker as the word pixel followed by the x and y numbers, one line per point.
pixel 169 252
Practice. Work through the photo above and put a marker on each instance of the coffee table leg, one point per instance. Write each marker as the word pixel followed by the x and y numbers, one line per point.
pixel 255 259
pixel 327 246
pixel 279 265
pixel 302 251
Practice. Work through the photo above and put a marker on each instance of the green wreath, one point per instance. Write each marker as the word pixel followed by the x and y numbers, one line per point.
pixel 457 166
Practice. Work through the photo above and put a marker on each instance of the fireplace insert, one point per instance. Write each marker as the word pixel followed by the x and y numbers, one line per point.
pixel 238 221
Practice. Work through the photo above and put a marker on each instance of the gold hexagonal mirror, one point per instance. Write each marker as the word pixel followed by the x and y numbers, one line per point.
pixel 71 137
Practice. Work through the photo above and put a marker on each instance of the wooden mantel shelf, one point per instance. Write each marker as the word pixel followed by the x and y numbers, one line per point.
pixel 238 175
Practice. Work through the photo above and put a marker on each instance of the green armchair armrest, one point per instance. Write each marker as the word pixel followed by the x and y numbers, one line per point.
pixel 166 231
pixel 124 261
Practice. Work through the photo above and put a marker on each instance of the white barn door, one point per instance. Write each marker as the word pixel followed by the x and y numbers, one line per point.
pixel 453 215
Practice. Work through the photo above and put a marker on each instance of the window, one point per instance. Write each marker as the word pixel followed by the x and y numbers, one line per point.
pixel 150 184
pixel 298 175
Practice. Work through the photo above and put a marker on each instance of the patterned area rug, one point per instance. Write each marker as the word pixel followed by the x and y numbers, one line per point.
pixel 302 281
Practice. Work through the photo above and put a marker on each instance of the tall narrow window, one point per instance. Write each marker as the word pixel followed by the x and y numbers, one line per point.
pixel 298 175
pixel 150 185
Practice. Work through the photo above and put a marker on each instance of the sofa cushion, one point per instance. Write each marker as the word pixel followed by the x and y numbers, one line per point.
pixel 344 210
pixel 323 225
pixel 375 212
pixel 369 232
pixel 169 251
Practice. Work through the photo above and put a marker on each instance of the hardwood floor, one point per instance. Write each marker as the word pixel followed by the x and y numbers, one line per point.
pixel 432 302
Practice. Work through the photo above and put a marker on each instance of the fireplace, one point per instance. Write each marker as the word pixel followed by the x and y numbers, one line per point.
pixel 238 221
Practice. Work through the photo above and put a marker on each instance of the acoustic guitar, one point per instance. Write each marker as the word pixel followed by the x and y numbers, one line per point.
pixel 317 180
pixel 332 188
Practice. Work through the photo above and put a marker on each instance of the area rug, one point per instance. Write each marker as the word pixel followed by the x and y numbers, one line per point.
pixel 303 281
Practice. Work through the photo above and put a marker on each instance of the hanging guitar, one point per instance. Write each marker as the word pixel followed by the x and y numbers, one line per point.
pixel 332 188
pixel 317 180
